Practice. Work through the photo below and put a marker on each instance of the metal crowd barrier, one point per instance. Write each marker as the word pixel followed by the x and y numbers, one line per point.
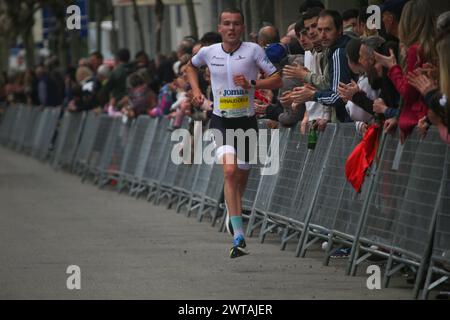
pixel 134 159
pixel 439 263
pixel 200 185
pixel 255 174
pixel 172 171
pixel 154 161
pixel 68 139
pixel 184 189
pixel 210 203
pixel 36 114
pixel 19 127
pixel 8 122
pixel 265 189
pixel 402 214
pixel 45 133
pixel 87 141
pixel 116 148
pixel 281 205
pixel 28 120
pixel 180 179
pixel 94 153
pixel 335 212
pixel 400 217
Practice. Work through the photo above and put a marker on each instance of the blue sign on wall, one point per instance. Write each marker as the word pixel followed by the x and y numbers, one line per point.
pixel 49 22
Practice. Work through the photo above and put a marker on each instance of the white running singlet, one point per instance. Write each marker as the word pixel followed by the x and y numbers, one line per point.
pixel 232 101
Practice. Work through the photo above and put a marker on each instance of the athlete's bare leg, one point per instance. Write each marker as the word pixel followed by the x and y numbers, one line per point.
pixel 231 187
pixel 242 184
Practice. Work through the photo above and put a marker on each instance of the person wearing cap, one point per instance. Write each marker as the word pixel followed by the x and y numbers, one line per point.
pixel 391 13
pixel 281 111
pixel 269 39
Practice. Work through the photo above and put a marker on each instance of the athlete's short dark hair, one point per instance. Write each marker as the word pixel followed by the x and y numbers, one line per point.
pixel 231 10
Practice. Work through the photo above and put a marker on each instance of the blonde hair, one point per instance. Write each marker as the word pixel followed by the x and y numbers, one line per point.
pixel 83 73
pixel 418 26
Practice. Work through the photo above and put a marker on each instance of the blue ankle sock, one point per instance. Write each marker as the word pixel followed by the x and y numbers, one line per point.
pixel 236 222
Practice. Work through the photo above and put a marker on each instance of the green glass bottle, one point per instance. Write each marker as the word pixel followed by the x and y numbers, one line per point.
pixel 312 137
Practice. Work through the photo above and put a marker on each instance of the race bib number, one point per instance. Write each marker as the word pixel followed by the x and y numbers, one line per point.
pixel 235 103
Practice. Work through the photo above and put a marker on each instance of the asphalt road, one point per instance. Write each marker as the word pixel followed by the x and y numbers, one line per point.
pixel 130 249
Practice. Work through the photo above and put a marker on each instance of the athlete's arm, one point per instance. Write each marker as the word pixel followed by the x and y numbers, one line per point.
pixel 271 83
pixel 192 76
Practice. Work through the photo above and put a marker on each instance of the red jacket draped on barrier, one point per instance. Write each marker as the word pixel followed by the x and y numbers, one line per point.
pixel 362 157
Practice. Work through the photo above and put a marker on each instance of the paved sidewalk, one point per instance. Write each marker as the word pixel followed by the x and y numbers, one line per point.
pixel 130 249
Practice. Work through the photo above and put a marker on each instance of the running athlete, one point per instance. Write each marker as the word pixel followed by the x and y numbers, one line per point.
pixel 234 66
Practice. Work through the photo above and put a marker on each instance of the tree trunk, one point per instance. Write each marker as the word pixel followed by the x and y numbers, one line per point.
pixel 159 12
pixel 62 50
pixel 75 47
pixel 28 43
pixel 192 18
pixel 4 53
pixel 114 41
pixel 255 10
pixel 98 24
pixel 137 19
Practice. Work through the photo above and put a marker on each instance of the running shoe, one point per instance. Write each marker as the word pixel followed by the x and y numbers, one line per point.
pixel 238 249
pixel 341 253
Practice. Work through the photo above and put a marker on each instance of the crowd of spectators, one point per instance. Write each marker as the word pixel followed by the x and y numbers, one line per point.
pixel 335 68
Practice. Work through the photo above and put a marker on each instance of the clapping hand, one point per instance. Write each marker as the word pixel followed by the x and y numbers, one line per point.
pixel 303 94
pixel 379 106
pixel 423 127
pixel 386 61
pixel 347 91
pixel 286 99
pixel 421 81
pixel 295 72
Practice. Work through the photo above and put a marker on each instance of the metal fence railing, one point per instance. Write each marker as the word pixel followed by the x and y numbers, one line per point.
pixel 133 158
pixel 69 137
pixel 401 215
pixel 265 189
pixel 86 144
pixel 439 263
